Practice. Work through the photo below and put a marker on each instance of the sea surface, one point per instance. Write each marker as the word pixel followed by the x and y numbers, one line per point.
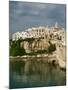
pixel 35 73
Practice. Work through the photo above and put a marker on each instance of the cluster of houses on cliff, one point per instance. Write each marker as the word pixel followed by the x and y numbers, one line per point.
pixel 55 32
pixel 42 35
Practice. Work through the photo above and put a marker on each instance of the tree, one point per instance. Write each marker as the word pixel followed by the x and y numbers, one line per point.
pixel 51 48
pixel 16 50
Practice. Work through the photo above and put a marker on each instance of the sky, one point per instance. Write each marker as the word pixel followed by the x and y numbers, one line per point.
pixel 23 15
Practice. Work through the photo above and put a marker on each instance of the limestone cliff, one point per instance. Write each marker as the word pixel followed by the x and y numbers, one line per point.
pixel 43 44
pixel 60 55
pixel 37 44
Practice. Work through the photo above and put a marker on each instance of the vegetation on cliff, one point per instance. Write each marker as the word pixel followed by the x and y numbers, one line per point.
pixel 16 50
pixel 51 48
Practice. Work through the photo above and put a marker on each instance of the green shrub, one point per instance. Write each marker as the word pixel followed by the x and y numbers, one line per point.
pixel 51 48
pixel 16 50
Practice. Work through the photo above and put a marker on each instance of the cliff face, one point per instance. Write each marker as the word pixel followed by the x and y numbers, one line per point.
pixel 61 55
pixel 43 44
pixel 35 45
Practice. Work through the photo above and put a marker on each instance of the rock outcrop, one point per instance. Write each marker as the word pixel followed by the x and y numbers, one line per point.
pixel 60 55
pixel 37 44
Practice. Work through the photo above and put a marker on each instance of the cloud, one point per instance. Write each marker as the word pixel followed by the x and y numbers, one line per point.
pixel 23 15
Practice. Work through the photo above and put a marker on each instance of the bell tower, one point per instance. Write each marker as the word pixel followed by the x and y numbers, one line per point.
pixel 56 25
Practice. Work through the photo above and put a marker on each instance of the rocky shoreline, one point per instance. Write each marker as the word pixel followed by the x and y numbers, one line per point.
pixel 49 58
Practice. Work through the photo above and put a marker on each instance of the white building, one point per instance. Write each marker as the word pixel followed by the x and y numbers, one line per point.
pixel 37 32
pixel 55 32
pixel 16 36
pixel 23 35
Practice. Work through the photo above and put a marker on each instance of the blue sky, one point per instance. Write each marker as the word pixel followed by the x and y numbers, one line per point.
pixel 23 15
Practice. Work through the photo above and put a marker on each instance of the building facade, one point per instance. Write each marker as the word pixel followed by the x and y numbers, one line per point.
pixel 54 33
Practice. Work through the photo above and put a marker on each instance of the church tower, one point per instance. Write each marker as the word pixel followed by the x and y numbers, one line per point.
pixel 56 25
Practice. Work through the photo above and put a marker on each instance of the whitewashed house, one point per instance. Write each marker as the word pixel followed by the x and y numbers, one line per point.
pixel 54 33
pixel 16 36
